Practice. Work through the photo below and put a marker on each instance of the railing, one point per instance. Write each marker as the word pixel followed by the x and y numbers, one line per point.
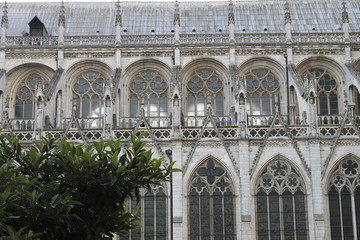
pixel 22 124
pixel 263 120
pixel 47 41
pixel 329 119
pixel 89 40
pixel 147 39
pixel 354 37
pixel 260 38
pixel 318 37
pixel 197 121
pixel 204 38
pixel 154 122
pixel 85 123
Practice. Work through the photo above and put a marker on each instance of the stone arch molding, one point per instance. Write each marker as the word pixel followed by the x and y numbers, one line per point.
pixel 263 62
pixel 305 181
pixel 226 165
pixel 333 167
pixel 16 75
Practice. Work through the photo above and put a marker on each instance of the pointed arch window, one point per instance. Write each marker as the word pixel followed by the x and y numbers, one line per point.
pixel 281 203
pixel 327 91
pixel 262 86
pixel 153 215
pixel 149 89
pixel 25 97
pixel 344 200
pixel 211 204
pixel 88 95
pixel 205 86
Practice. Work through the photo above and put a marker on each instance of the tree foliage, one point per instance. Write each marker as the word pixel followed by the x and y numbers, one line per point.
pixel 58 190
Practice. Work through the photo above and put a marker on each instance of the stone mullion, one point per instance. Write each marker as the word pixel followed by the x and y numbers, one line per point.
pixel 353 208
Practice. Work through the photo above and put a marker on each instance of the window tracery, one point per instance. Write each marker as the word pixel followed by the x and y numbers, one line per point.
pixel 150 89
pixel 280 203
pixel 327 91
pixel 88 94
pixel 153 215
pixel 262 87
pixel 211 203
pixel 205 86
pixel 344 200
pixel 25 97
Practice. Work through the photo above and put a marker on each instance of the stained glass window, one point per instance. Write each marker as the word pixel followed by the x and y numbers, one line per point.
pixel 344 190
pixel 205 87
pixel 153 216
pixel 88 95
pixel 327 91
pixel 211 204
pixel 262 86
pixel 280 203
pixel 25 97
pixel 150 89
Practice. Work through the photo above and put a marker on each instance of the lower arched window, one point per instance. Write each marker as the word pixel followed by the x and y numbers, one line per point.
pixel 344 200
pixel 153 216
pixel 211 204
pixel 281 203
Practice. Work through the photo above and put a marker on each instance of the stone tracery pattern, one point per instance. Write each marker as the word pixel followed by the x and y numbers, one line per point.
pixel 88 94
pixel 25 97
pixel 280 203
pixel 344 199
pixel 211 203
pixel 149 89
pixel 205 86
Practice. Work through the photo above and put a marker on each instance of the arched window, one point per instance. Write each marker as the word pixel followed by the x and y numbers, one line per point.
pixel 327 91
pixel 211 204
pixel 153 215
pixel 205 87
pixel 25 97
pixel 88 95
pixel 262 86
pixel 150 89
pixel 280 203
pixel 344 200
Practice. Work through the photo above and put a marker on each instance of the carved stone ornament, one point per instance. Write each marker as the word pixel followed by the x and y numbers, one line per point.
pixel 310 88
pixel 118 17
pixel 177 14
pixel 62 15
pixel 5 19
pixel 287 13
pixel 231 16
pixel 345 15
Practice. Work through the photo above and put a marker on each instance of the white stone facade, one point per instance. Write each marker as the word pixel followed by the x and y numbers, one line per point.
pixel 309 129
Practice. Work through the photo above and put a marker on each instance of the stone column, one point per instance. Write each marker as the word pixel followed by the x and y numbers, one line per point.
pixel 39 111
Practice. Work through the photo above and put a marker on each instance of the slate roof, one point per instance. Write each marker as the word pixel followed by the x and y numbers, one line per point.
pixel 139 18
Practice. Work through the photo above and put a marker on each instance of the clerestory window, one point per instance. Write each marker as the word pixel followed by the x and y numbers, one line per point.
pixel 149 90
pixel 262 86
pixel 211 204
pixel 281 203
pixel 327 91
pixel 205 86
pixel 88 95
pixel 344 200
pixel 25 97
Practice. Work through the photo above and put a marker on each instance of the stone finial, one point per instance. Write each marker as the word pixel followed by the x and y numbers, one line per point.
pixel 345 15
pixel 310 88
pixel 118 18
pixel 287 13
pixel 62 15
pixel 5 19
pixel 177 14
pixel 241 90
pixel 231 16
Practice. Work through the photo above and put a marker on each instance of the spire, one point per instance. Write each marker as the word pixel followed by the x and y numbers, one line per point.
pixel 287 13
pixel 5 19
pixel 118 18
pixel 177 14
pixel 62 15
pixel 345 15
pixel 231 17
